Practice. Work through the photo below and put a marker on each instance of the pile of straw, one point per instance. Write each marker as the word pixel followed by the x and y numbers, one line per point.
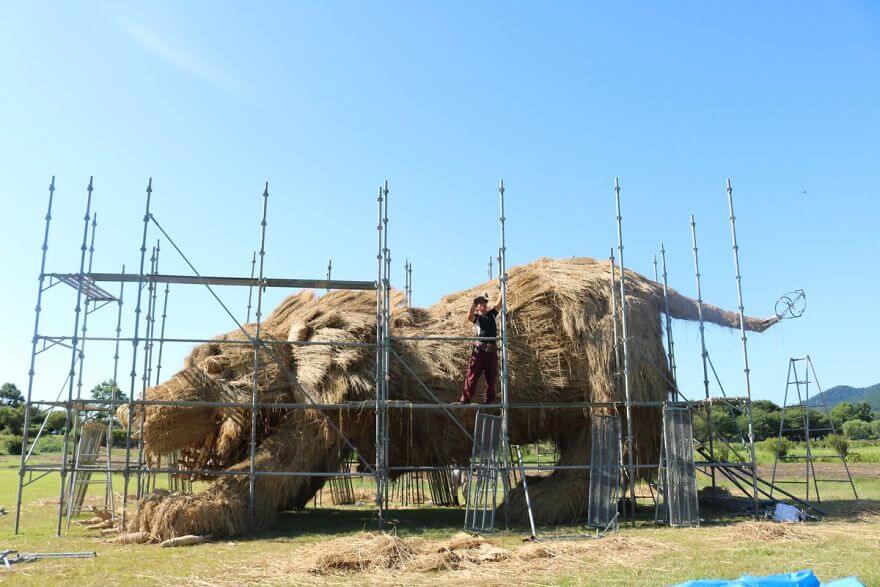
pixel 561 348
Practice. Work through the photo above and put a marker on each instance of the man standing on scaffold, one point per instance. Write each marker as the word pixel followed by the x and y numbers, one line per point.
pixel 484 357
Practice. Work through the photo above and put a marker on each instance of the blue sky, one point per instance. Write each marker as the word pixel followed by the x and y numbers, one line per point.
pixel 326 100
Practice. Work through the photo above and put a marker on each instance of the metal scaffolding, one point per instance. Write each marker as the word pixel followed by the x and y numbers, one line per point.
pixel 149 281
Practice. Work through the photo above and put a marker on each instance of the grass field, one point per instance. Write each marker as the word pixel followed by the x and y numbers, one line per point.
pixel 841 545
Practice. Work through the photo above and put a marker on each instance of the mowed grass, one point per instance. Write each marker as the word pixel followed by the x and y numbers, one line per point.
pixel 839 546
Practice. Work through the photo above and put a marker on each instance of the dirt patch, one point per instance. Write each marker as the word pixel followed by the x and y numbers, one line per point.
pixel 832 470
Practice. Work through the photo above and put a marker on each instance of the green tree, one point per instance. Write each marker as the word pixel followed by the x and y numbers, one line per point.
pixel 765 405
pixel 11 420
pixel 845 411
pixel 55 422
pixel 857 429
pixel 765 422
pixel 10 395
pixel 107 391
pixel 795 423
pixel 723 423
pixel 875 429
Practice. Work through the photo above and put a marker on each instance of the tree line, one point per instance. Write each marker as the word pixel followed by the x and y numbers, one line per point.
pixel 855 421
pixel 12 409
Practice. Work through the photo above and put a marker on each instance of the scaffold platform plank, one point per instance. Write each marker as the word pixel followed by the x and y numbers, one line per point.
pixel 91 290
pixel 221 280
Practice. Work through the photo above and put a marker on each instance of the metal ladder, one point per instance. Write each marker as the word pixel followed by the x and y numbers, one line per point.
pixel 88 452
pixel 802 388
pixel 489 460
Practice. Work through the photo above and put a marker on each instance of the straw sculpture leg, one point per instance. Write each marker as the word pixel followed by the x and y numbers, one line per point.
pixel 561 347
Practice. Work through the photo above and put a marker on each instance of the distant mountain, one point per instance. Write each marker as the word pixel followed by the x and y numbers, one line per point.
pixel 845 393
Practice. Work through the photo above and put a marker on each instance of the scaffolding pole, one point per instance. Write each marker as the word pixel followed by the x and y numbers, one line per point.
pixel 74 352
pixel 380 337
pixel 704 354
pixel 629 428
pixel 252 466
pixel 111 497
pixel 41 278
pixel 745 350
pixel 75 423
pixel 505 372
pixel 670 343
pixel 134 347
pixel 251 287
pixel 146 373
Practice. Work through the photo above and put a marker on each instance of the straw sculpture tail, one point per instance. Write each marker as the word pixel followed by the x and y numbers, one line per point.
pixel 561 348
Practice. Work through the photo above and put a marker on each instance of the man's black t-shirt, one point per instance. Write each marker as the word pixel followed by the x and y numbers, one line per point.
pixel 484 324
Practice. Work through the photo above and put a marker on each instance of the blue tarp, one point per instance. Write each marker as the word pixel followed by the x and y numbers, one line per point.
pixel 798 579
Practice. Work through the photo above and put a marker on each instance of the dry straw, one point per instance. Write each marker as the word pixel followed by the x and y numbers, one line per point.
pixel 561 349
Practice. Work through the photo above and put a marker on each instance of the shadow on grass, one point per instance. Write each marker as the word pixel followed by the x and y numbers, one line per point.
pixel 338 521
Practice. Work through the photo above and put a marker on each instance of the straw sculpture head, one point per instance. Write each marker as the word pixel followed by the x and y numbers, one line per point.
pixel 561 349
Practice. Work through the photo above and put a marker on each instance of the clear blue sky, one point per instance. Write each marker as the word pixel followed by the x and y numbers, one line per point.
pixel 325 100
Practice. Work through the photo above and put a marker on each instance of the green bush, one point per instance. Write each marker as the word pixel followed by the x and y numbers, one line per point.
pixel 722 454
pixel 119 438
pixel 853 457
pixel 771 445
pixel 50 443
pixel 55 422
pixel 12 445
pixel 838 443
pixel 875 429
pixel 857 429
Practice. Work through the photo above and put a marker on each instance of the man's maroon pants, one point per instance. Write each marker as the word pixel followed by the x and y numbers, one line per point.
pixel 482 361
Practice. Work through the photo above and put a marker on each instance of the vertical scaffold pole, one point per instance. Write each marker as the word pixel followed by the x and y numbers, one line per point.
pixel 490 268
pixel 742 330
pixel 251 287
pixel 85 320
pixel 154 290
pixel 704 353
pixel 134 347
pixel 149 323
pixel 74 353
pixel 670 343
pixel 114 395
pixel 41 278
pixel 329 273
pixel 386 358
pixel 409 279
pixel 162 332
pixel 630 446
pixel 656 275
pixel 614 320
pixel 505 367
pixel 617 359
pixel 406 282
pixel 75 420
pixel 380 377
pixel 252 467
pixel 502 279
